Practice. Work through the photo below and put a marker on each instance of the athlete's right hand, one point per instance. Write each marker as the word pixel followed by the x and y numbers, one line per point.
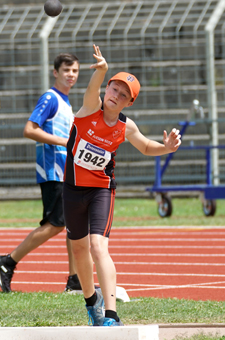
pixel 101 62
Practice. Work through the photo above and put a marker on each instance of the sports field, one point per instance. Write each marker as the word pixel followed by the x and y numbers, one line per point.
pixel 181 257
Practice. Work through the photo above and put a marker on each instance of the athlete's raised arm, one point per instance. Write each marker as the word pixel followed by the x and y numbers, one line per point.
pixel 92 101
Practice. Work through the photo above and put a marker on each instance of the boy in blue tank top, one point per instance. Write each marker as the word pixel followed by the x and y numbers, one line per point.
pixel 49 125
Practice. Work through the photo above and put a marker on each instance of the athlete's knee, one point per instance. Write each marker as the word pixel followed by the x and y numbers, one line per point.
pixel 99 248
pixel 80 247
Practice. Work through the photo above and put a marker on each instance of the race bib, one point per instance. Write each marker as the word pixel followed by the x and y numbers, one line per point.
pixel 91 157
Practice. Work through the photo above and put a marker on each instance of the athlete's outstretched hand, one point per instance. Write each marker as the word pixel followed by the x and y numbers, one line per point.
pixel 173 141
pixel 101 62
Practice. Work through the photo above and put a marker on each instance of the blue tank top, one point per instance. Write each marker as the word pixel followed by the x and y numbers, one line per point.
pixel 53 113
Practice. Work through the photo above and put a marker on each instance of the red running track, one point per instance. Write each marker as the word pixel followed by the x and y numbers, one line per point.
pixel 150 262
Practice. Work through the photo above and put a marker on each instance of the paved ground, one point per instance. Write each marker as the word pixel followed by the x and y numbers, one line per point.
pixel 169 332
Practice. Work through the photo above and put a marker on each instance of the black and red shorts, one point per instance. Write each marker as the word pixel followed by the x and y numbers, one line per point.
pixel 88 210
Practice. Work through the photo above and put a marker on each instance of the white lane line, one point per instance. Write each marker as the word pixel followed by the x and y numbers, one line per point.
pixel 130 229
pixel 137 287
pixel 166 247
pixel 127 290
pixel 204 285
pixel 171 274
pixel 126 233
pixel 136 240
pixel 130 246
pixel 125 273
pixel 173 287
pixel 135 263
pixel 169 240
pixel 160 285
pixel 165 255
pixel 169 263
pixel 137 254
pixel 129 284
pixel 153 232
pixel 143 285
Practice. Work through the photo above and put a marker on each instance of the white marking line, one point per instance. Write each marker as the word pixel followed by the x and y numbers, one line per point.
pixel 137 240
pixel 167 239
pixel 129 284
pixel 169 263
pixel 130 246
pixel 129 229
pixel 128 233
pixel 156 285
pixel 171 274
pixel 39 283
pixel 174 287
pixel 146 287
pixel 207 285
pixel 125 273
pixel 166 247
pixel 166 254
pixel 136 254
pixel 153 232
pixel 135 263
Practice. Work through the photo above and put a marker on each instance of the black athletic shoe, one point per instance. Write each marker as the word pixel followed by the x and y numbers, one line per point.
pixel 73 284
pixel 6 273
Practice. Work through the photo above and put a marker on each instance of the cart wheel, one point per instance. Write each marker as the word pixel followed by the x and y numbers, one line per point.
pixel 165 206
pixel 209 207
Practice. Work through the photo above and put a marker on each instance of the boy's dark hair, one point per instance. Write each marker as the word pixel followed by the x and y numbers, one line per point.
pixel 66 58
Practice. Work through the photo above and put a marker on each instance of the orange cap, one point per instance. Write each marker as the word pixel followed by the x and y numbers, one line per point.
pixel 130 80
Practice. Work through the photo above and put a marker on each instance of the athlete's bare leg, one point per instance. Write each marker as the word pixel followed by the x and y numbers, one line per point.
pixel 105 269
pixel 84 265
pixel 72 267
pixel 37 237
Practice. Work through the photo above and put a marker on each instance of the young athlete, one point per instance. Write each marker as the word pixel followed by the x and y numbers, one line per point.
pixel 49 125
pixel 89 182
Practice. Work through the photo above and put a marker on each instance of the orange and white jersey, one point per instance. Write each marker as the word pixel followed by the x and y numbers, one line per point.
pixel 91 150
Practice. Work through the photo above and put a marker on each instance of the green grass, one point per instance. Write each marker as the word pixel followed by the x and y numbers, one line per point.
pixel 203 336
pixel 50 309
pixel 128 212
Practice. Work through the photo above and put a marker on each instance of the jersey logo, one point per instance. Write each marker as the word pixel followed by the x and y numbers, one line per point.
pixel 116 133
pixel 94 123
pixel 90 132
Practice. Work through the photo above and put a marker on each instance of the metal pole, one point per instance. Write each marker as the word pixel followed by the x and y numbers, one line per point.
pixel 44 34
pixel 212 99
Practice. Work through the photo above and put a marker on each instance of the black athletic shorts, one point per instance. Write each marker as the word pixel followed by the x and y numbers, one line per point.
pixel 52 203
pixel 88 210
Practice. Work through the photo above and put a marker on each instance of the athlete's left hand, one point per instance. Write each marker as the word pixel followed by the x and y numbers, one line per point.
pixel 173 141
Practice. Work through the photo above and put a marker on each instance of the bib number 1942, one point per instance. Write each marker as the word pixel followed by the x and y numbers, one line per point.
pixel 91 157
pixel 87 157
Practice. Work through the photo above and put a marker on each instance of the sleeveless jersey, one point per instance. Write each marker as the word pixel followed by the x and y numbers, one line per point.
pixel 50 159
pixel 91 150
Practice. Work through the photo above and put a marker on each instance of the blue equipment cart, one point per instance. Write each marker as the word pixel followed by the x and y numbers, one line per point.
pixel 209 191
